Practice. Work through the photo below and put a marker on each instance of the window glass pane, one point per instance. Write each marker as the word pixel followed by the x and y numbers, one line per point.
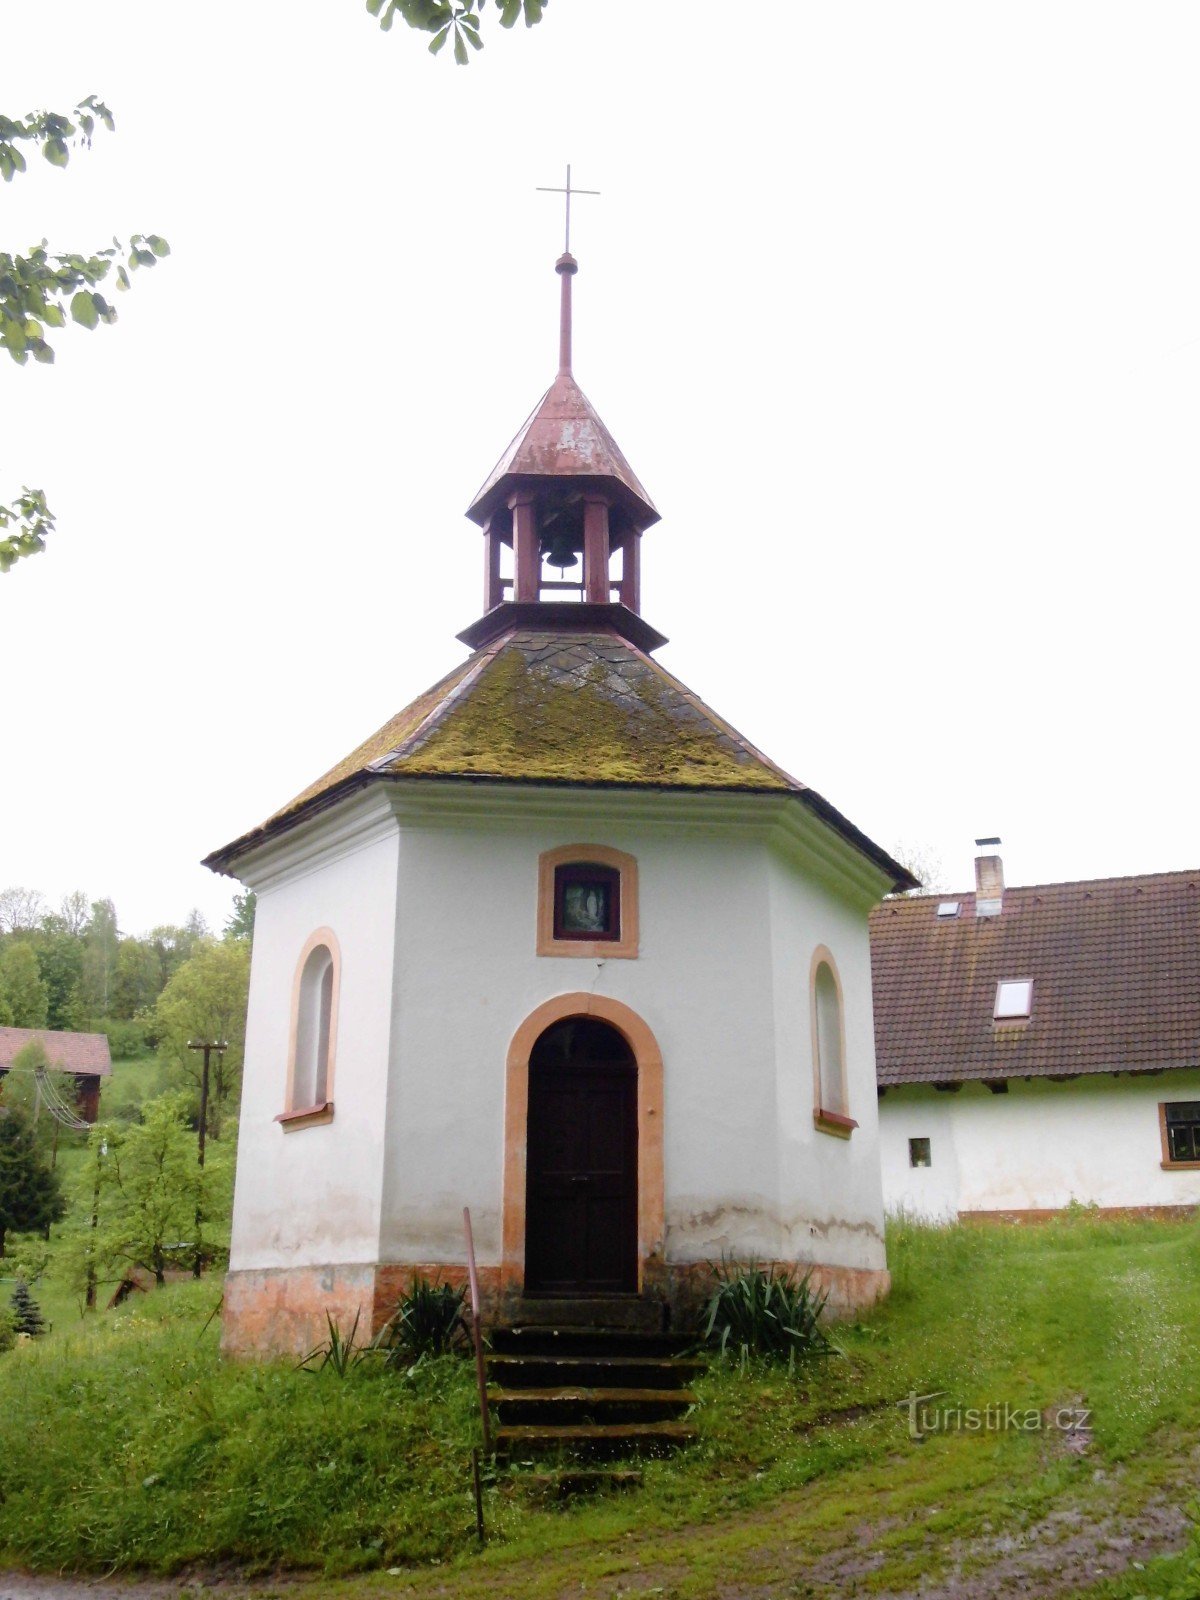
pixel 1014 998
pixel 918 1153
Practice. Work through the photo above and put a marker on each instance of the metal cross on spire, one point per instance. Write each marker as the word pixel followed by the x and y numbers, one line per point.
pixel 568 191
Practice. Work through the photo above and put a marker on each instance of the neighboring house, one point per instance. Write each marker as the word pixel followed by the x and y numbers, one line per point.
pixel 559 945
pixel 82 1057
pixel 1040 1046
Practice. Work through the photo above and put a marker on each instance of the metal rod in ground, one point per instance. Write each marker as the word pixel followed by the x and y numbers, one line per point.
pixel 478 1487
pixel 477 1333
pixel 202 1131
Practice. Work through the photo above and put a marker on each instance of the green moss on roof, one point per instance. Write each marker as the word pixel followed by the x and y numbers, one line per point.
pixel 587 709
pixel 576 707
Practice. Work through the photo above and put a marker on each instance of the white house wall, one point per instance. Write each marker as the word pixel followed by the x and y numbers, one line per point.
pixel 1092 1140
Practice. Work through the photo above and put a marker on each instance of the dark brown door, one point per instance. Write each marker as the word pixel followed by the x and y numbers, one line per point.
pixel 581 1166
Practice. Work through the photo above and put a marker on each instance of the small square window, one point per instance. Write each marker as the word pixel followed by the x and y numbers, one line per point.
pixel 1014 999
pixel 587 901
pixel 948 908
pixel 918 1153
pixel 1182 1118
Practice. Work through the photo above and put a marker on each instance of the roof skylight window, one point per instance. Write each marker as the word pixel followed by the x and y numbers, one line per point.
pixel 1014 999
pixel 948 908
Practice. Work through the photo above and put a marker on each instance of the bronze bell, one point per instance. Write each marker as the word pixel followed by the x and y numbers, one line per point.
pixel 561 553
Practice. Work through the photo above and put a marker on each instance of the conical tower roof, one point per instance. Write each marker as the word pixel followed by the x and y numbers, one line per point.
pixel 564 437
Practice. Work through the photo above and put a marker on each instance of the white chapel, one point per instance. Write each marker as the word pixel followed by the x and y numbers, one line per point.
pixel 556 944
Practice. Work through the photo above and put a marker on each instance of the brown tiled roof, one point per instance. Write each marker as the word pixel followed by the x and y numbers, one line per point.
pixel 85 1053
pixel 1115 965
pixel 547 705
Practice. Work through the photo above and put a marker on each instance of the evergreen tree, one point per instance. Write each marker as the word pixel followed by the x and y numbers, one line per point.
pixel 30 1195
pixel 26 1313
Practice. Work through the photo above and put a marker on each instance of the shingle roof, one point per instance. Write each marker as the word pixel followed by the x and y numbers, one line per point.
pixel 85 1053
pixel 1115 965
pixel 543 705
pixel 563 437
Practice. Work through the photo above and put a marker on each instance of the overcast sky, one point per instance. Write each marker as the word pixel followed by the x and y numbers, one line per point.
pixel 895 311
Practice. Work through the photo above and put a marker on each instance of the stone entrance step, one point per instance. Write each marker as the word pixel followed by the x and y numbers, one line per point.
pixel 596 1440
pixel 580 1391
pixel 591 1311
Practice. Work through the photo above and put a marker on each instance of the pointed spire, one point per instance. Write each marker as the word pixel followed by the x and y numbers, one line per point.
pixel 566 266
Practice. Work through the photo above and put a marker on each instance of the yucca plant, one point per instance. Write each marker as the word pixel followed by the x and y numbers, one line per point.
pixel 428 1321
pixel 340 1353
pixel 771 1313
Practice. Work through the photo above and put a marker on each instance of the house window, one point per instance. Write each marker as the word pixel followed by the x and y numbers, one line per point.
pixel 831 1113
pixel 1014 1000
pixel 314 1033
pixel 587 902
pixel 1180 1125
pixel 918 1153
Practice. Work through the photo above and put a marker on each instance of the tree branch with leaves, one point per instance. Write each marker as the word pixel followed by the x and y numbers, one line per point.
pixel 40 291
pixel 457 19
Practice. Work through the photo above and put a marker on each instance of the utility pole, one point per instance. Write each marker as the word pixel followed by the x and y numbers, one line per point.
pixel 220 1047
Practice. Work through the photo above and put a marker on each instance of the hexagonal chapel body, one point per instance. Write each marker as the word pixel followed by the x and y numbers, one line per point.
pixel 559 945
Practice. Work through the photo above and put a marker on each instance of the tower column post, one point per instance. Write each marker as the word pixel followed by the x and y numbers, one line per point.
pixel 526 550
pixel 630 586
pixel 493 589
pixel 595 549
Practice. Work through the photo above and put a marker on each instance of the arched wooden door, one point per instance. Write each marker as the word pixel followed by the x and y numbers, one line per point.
pixel 581 1202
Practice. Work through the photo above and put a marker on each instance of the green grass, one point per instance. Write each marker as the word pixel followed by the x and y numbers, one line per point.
pixel 126 1442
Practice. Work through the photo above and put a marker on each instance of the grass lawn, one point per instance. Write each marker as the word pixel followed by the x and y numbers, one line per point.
pixel 126 1443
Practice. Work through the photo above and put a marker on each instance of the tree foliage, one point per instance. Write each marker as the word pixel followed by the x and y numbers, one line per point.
pixel 206 1000
pixel 459 20
pixel 27 1000
pixel 30 1197
pixel 40 291
pixel 138 1197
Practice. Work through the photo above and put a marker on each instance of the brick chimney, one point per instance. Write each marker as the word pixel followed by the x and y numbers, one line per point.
pixel 989 878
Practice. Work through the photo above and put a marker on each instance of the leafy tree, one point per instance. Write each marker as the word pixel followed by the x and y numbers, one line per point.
pixel 138 979
pixel 175 944
pixel 38 291
pixel 60 966
pixel 241 919
pixel 26 1313
pixel 21 910
pixel 74 912
pixel 101 941
pixel 145 1191
pixel 206 1000
pixel 30 1196
pixel 460 19
pixel 22 986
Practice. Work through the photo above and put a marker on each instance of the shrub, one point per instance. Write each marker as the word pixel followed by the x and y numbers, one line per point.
pixel 127 1040
pixel 8 1334
pixel 26 1313
pixel 766 1312
pixel 428 1321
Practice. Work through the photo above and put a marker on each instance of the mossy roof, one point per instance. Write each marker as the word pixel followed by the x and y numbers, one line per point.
pixel 585 707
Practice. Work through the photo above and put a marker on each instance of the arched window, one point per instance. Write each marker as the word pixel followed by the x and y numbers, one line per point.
pixel 831 1110
pixel 314 1032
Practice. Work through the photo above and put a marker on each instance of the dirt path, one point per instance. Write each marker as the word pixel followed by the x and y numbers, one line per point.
pixel 761 1557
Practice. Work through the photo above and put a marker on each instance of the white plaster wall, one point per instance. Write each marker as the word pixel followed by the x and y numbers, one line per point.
pixel 1094 1140
pixel 311 1196
pixel 830 1193
pixel 467 975
pixel 713 953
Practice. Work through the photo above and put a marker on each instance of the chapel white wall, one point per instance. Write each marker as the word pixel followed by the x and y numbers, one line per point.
pixel 311 1196
pixel 1094 1140
pixel 724 929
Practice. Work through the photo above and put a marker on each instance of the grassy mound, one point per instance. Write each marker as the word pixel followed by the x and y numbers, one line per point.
pixel 126 1442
